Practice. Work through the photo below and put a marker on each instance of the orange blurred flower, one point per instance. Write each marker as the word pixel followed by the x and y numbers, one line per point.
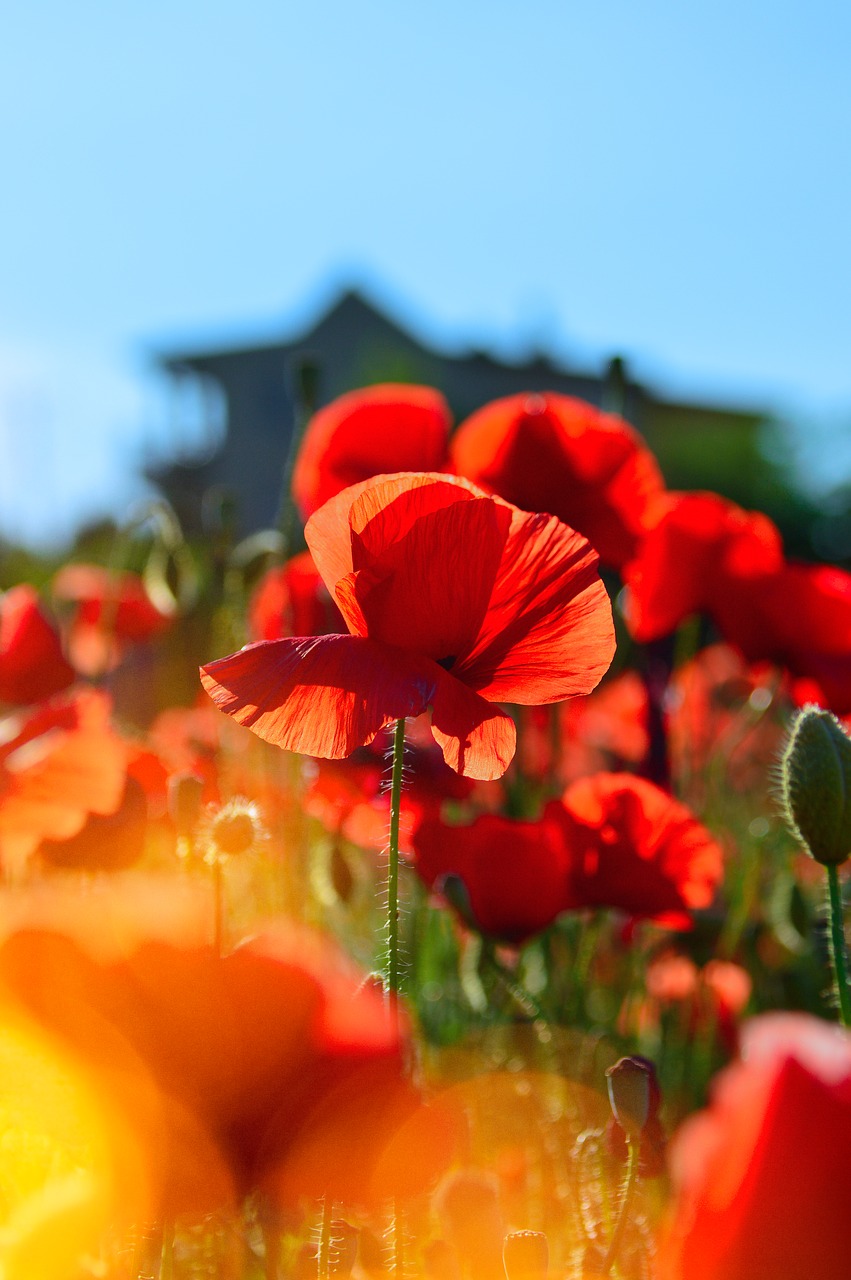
pixel 59 764
pixel 268 1067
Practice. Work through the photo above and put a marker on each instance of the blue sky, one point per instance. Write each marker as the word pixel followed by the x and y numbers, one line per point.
pixel 669 181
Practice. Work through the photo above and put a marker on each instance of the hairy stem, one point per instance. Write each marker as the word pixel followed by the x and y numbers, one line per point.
pixel 838 955
pixel 392 965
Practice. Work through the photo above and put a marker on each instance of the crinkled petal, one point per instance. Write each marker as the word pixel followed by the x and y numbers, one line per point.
pixel 477 739
pixel 548 632
pixel 428 590
pixel 333 530
pixel 324 695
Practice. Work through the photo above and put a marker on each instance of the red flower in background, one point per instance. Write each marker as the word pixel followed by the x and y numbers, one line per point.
pixel 692 561
pixel 380 429
pixel 117 603
pixel 707 555
pixel 111 611
pixel 761 1177
pixel 557 454
pixel 514 874
pixel 634 848
pixel 292 600
pixel 32 663
pixel 454 601
pixel 57 766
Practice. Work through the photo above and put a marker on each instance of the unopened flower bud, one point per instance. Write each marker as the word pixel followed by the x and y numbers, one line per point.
pixel 184 801
pixel 525 1255
pixel 631 1083
pixel 816 785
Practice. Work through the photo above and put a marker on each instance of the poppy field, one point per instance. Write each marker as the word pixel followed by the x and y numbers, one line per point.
pixel 446 883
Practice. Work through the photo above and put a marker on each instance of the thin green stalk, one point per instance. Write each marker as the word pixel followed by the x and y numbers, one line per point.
pixel 392 964
pixel 838 957
pixel 633 1147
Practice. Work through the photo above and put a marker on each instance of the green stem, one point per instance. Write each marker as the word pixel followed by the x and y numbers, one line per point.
pixel 838 956
pixel 633 1146
pixel 391 970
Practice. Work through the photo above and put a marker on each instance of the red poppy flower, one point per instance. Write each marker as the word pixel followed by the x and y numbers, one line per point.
pixel 800 619
pixel 634 848
pixel 692 561
pixel 514 874
pixel 57 766
pixel 292 600
pixel 761 1177
pixel 454 601
pixel 554 453
pixel 32 664
pixel 119 603
pixel 384 428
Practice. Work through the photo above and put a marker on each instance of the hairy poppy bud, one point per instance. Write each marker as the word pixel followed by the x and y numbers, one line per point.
pixel 631 1083
pixel 816 785
pixel 525 1255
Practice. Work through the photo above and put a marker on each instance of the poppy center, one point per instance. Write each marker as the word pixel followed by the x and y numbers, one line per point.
pixel 447 663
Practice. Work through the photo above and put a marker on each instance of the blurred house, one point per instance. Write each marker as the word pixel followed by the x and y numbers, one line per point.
pixel 247 394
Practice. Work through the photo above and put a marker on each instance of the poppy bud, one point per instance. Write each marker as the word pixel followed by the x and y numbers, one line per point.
pixel 631 1084
pixel 525 1255
pixel 816 785
pixel 184 801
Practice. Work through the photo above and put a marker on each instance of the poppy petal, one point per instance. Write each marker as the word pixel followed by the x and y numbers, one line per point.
pixel 428 590
pixel 332 531
pixel 323 695
pixel 548 632
pixel 477 739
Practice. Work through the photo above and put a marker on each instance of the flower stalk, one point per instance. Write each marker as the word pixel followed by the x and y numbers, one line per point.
pixel 392 962
pixel 838 955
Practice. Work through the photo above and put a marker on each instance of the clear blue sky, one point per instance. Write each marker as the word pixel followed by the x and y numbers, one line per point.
pixel 664 179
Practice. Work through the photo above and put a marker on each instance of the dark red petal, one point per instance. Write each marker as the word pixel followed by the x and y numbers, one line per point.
pixel 554 453
pixel 635 848
pixel 476 738
pixel 701 549
pixel 514 873
pixel 322 696
pixel 32 664
pixel 548 632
